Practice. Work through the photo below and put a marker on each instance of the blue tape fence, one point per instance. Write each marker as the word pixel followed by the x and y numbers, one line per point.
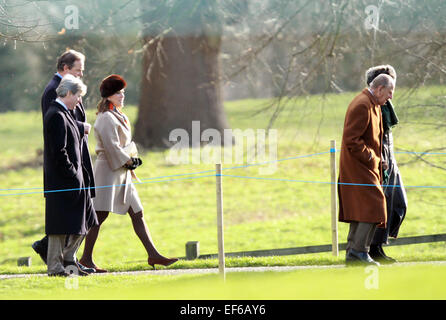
pixel 205 174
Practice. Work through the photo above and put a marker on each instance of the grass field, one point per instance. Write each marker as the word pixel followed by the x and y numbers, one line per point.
pixel 259 214
pixel 423 282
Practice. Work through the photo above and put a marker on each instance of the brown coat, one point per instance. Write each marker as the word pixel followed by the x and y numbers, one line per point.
pixel 360 163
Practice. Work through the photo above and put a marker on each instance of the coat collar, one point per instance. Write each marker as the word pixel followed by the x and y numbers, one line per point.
pixel 56 78
pixel 80 108
pixel 68 116
pixel 121 117
pixel 370 96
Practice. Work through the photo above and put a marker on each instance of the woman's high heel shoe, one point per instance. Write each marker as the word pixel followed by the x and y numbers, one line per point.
pixel 161 261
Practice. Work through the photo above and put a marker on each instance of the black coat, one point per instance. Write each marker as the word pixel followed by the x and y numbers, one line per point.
pixel 396 198
pixel 49 95
pixel 65 211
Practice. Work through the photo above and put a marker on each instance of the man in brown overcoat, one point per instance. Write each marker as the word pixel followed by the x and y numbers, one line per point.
pixel 361 198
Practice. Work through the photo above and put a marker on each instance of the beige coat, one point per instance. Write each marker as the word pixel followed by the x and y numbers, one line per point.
pixel 115 191
pixel 360 163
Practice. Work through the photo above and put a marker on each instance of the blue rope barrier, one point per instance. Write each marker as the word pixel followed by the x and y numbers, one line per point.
pixel 325 182
pixel 332 150
pixel 100 187
pixel 195 173
pixel 153 178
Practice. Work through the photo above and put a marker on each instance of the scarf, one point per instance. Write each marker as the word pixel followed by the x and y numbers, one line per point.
pixel 390 118
pixel 112 107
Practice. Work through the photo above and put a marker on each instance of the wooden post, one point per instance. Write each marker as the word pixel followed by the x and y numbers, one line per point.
pixel 334 200
pixel 221 249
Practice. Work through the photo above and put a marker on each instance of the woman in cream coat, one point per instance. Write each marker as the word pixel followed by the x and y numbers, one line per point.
pixel 113 172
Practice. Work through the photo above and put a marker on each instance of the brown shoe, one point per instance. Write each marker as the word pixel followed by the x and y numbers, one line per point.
pixel 97 270
pixel 161 261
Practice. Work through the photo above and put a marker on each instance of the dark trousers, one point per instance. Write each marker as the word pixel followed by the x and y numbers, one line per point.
pixel 360 236
pixel 381 236
pixel 91 221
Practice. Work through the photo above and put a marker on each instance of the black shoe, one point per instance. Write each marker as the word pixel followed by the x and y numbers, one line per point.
pixel 386 257
pixel 59 274
pixel 349 258
pixel 76 269
pixel 40 250
pixel 354 257
pixel 377 253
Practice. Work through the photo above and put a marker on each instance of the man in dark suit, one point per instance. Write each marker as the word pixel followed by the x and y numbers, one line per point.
pixel 71 62
pixel 66 198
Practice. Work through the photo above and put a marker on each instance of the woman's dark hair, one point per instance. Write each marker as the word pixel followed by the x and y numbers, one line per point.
pixel 103 105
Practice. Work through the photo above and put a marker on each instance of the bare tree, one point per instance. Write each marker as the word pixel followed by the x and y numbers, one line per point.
pixel 279 48
pixel 325 47
pixel 25 21
pixel 181 69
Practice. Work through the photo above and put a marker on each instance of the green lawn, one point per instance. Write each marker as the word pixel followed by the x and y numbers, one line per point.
pixel 258 214
pixel 388 282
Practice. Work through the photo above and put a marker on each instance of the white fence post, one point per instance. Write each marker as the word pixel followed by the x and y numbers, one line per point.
pixel 221 248
pixel 334 200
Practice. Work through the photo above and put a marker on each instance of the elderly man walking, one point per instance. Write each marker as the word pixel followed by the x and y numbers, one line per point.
pixel 66 197
pixel 361 198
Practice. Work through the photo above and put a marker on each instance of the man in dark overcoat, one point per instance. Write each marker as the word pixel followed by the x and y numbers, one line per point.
pixel 393 186
pixel 71 62
pixel 362 203
pixel 65 192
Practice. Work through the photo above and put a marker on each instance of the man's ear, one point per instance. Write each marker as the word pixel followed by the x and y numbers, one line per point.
pixel 380 88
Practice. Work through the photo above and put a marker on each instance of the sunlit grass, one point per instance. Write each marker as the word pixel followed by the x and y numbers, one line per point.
pixel 389 282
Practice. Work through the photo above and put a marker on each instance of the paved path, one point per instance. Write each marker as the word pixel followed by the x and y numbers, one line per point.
pixel 215 270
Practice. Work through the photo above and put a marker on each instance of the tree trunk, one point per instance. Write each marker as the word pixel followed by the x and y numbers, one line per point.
pixel 180 84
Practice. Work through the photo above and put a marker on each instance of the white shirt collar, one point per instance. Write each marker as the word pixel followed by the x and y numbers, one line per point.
pixel 63 104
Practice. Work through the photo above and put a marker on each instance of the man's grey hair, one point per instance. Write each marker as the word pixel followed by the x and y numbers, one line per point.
pixel 72 84
pixel 382 80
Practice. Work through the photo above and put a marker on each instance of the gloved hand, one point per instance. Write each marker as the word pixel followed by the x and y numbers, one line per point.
pixel 136 162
